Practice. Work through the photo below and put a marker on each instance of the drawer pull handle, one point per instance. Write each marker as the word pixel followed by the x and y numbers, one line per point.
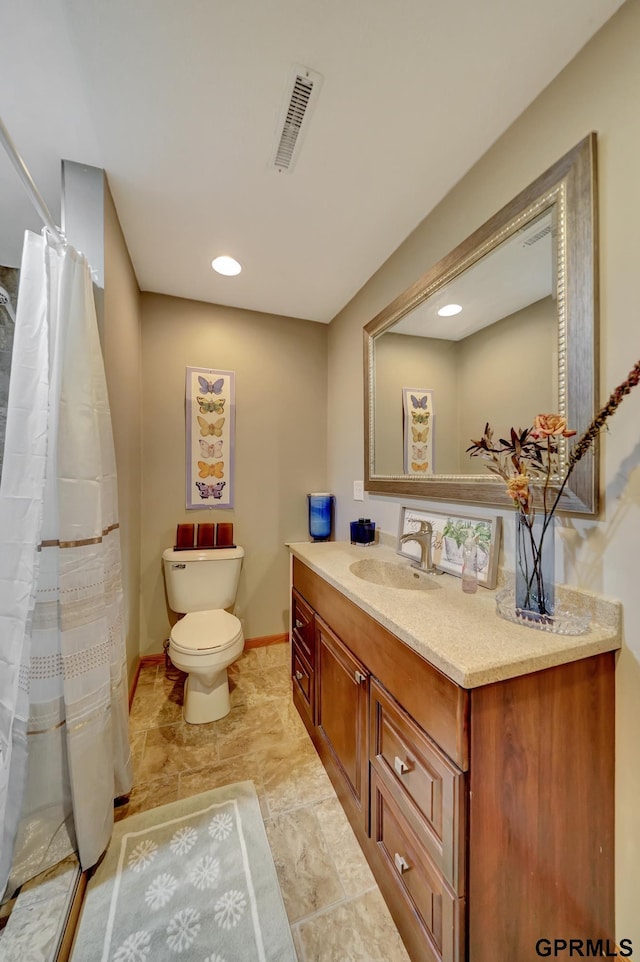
pixel 299 676
pixel 299 624
pixel 400 766
pixel 401 864
pixel 360 677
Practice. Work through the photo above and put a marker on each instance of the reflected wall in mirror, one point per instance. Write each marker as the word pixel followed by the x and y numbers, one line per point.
pixel 523 343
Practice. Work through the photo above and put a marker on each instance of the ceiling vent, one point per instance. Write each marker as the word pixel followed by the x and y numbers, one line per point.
pixel 302 93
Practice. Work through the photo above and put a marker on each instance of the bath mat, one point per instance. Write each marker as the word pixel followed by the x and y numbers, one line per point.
pixel 192 881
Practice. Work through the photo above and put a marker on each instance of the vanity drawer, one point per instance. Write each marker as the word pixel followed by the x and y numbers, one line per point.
pixel 430 788
pixel 302 675
pixel 302 624
pixel 422 888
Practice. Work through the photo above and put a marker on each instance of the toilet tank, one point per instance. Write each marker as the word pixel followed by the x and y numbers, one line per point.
pixel 202 579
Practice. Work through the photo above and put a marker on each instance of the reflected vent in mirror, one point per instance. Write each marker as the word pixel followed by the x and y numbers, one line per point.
pixel 302 93
pixel 538 235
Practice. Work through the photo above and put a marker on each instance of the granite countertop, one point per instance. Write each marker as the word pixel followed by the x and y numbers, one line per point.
pixel 461 634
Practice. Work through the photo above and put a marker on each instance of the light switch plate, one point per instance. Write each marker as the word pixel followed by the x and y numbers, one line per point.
pixel 358 490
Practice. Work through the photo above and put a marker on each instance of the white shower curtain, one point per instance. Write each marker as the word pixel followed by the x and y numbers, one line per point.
pixel 64 748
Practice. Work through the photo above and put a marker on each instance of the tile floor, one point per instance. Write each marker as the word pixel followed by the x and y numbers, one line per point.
pixel 333 903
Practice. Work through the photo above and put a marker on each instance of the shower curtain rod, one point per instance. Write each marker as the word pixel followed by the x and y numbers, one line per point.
pixel 35 196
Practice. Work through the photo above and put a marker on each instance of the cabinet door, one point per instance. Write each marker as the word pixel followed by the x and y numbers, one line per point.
pixel 302 624
pixel 303 683
pixel 342 696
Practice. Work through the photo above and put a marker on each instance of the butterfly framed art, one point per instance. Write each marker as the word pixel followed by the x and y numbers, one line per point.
pixel 418 424
pixel 210 435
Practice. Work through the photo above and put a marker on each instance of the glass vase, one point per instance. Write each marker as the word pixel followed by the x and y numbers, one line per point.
pixel 534 563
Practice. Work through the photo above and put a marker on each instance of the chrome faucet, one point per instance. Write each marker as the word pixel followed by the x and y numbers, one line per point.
pixel 423 536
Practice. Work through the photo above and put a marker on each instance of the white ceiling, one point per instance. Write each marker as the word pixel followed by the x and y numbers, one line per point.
pixel 180 103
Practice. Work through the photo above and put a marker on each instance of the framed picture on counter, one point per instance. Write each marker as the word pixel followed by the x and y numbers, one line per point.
pixel 450 531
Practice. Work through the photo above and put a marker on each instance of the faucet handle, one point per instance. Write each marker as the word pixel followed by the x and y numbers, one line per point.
pixel 425 528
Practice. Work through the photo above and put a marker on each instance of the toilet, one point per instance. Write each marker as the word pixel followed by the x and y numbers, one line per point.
pixel 202 583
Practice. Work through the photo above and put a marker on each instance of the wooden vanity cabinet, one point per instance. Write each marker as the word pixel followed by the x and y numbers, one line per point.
pixel 404 796
pixel 486 814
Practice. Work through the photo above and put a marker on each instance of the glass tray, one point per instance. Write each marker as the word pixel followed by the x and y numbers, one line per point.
pixel 564 621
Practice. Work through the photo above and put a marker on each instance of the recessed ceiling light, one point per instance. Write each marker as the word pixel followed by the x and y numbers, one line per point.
pixel 449 310
pixel 226 265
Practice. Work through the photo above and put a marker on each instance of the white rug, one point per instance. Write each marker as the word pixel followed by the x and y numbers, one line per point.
pixel 193 881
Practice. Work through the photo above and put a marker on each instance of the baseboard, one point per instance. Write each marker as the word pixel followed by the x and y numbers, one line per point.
pixel 147 660
pixel 134 682
pixel 143 662
pixel 263 640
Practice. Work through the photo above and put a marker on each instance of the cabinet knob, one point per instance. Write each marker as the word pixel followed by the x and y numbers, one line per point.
pixel 400 766
pixel 299 624
pixel 359 677
pixel 401 864
pixel 299 676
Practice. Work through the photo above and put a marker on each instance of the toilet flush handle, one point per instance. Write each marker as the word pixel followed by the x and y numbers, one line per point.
pixel 178 566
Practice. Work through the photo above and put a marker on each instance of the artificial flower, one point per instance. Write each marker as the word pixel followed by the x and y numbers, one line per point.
pixel 550 425
pixel 531 456
pixel 518 488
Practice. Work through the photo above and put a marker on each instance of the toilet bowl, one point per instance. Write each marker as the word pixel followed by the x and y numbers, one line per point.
pixel 202 583
pixel 203 644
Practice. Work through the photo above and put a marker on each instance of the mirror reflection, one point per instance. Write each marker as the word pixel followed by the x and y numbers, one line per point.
pixel 468 361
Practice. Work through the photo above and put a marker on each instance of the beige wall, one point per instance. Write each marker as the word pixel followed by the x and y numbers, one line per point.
pixel 490 369
pixel 599 90
pixel 280 454
pixel 122 352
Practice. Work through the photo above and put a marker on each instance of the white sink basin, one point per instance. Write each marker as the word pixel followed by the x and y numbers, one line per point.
pixel 392 574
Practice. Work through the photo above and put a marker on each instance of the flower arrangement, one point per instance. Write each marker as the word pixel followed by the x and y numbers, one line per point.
pixel 532 456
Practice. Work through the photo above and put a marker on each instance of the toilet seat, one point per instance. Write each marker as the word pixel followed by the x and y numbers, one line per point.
pixel 205 631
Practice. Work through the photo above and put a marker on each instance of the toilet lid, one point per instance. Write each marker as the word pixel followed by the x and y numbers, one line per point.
pixel 206 631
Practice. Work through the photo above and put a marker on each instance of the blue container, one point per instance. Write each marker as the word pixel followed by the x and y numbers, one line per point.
pixel 363 531
pixel 320 515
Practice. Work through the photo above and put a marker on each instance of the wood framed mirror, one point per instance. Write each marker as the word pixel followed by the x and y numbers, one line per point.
pixel 524 343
